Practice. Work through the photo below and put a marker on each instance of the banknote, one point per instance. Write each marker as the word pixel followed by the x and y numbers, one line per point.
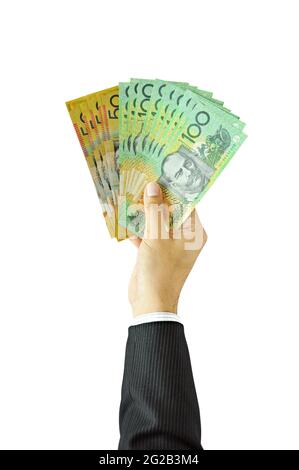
pixel 90 119
pixel 195 141
pixel 153 130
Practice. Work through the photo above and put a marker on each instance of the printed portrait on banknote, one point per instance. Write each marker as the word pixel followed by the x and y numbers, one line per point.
pixel 184 174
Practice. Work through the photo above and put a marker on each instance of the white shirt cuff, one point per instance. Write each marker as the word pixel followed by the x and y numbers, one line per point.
pixel 155 316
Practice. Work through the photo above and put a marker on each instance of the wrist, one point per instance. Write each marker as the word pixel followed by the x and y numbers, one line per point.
pixel 152 304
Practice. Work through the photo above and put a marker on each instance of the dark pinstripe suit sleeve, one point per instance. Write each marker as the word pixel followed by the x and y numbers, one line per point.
pixel 159 408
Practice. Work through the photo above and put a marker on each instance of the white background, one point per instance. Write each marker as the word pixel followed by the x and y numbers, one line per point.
pixel 64 308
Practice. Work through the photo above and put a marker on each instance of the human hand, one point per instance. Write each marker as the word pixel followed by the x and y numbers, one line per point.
pixel 165 257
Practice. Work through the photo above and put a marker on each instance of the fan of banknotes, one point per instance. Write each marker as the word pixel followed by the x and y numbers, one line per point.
pixel 153 130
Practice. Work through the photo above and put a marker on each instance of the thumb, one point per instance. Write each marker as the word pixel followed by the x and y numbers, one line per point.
pixel 154 210
pixel 152 195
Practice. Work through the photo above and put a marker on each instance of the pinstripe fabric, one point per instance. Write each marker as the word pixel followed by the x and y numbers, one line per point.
pixel 159 408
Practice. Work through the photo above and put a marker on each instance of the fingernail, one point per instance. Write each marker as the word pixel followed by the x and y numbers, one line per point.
pixel 152 189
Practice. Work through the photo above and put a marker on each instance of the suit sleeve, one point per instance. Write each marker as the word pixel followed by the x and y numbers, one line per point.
pixel 159 408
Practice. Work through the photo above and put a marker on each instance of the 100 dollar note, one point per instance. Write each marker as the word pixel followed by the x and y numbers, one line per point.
pixel 206 139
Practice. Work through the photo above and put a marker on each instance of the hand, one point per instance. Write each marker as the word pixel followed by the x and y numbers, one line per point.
pixel 165 257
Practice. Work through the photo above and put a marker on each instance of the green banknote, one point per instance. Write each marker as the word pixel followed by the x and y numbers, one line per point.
pixel 187 141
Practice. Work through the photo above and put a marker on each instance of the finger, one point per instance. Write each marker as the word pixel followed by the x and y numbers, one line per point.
pixel 187 228
pixel 192 223
pixel 152 195
pixel 135 240
pixel 154 210
pixel 190 229
pixel 193 231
